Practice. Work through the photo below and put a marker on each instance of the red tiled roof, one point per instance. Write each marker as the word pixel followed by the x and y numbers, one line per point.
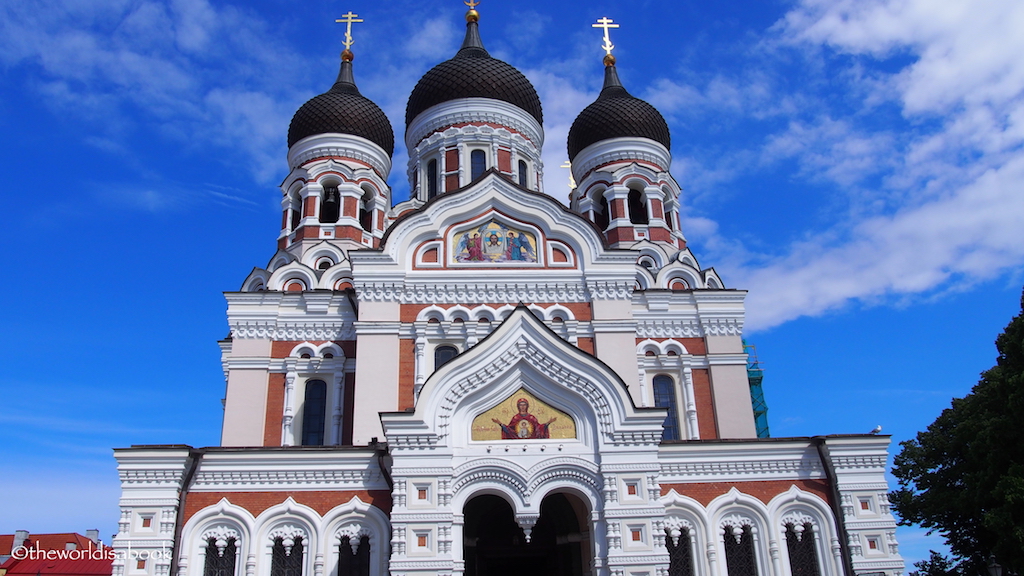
pixel 84 560
pixel 78 564
pixel 81 567
pixel 45 542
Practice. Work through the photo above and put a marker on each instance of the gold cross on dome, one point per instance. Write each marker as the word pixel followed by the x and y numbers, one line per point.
pixel 572 181
pixel 348 19
pixel 471 3
pixel 606 23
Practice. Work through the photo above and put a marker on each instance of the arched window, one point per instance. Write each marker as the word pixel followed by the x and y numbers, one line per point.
pixel 443 354
pixel 286 561
pixel 330 205
pixel 296 209
pixel 522 174
pixel 671 217
pixel 637 208
pixel 739 551
pixel 477 163
pixel 220 561
pixel 665 397
pixel 431 179
pixel 314 410
pixel 803 559
pixel 680 556
pixel 601 216
pixel 354 562
pixel 366 211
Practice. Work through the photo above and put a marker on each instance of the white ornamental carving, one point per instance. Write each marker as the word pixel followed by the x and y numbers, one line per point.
pixel 733 524
pixel 355 533
pixel 798 520
pixel 220 533
pixel 289 534
pixel 675 526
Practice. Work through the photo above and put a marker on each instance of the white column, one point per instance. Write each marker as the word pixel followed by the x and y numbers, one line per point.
pixel 692 430
pixel 420 376
pixel 339 403
pixel 287 436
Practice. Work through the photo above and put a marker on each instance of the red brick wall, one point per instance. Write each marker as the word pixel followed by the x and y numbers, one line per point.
pixel 275 410
pixel 618 207
pixel 406 373
pixel 705 404
pixel 586 344
pixel 504 161
pixel 282 348
pixel 695 346
pixel 620 234
pixel 705 492
pixel 257 502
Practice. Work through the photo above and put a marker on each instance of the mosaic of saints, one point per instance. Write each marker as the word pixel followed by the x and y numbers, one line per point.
pixel 523 425
pixel 495 242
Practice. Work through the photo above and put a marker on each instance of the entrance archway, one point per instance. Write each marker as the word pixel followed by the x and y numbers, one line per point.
pixel 495 545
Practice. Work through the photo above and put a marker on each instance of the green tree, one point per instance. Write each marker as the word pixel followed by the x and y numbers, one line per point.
pixel 964 476
pixel 936 565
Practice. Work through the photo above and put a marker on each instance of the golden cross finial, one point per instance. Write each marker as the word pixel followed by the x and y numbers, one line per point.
pixel 348 19
pixel 471 3
pixel 572 181
pixel 606 23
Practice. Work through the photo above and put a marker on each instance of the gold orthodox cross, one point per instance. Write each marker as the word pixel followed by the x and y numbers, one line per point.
pixel 606 23
pixel 348 19
pixel 572 181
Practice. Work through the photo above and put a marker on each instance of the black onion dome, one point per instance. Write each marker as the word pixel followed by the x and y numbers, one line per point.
pixel 344 110
pixel 616 114
pixel 473 73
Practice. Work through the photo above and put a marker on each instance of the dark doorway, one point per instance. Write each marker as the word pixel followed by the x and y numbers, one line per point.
pixel 495 545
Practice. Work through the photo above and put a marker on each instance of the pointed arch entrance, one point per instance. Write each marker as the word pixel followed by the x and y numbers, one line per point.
pixel 495 544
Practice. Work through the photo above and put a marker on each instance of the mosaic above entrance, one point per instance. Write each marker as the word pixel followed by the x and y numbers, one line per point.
pixel 522 416
pixel 494 242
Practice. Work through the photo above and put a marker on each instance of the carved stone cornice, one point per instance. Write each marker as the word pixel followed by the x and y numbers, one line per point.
pixel 609 290
pixel 689 328
pixel 483 292
pixel 293 330
pixel 722 326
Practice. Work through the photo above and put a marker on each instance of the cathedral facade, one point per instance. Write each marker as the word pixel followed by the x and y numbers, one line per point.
pixel 483 380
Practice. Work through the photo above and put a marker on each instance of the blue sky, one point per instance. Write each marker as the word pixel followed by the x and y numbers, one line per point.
pixel 856 164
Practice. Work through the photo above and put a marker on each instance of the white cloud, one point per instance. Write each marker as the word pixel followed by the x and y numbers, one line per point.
pixel 197 73
pixel 953 176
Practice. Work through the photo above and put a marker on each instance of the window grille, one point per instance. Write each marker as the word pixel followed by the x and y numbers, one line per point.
pixel 803 559
pixel 284 562
pixel 739 552
pixel 680 555
pixel 220 562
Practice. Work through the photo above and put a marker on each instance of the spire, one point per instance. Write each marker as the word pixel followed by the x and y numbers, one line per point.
pixel 346 82
pixel 612 88
pixel 472 45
